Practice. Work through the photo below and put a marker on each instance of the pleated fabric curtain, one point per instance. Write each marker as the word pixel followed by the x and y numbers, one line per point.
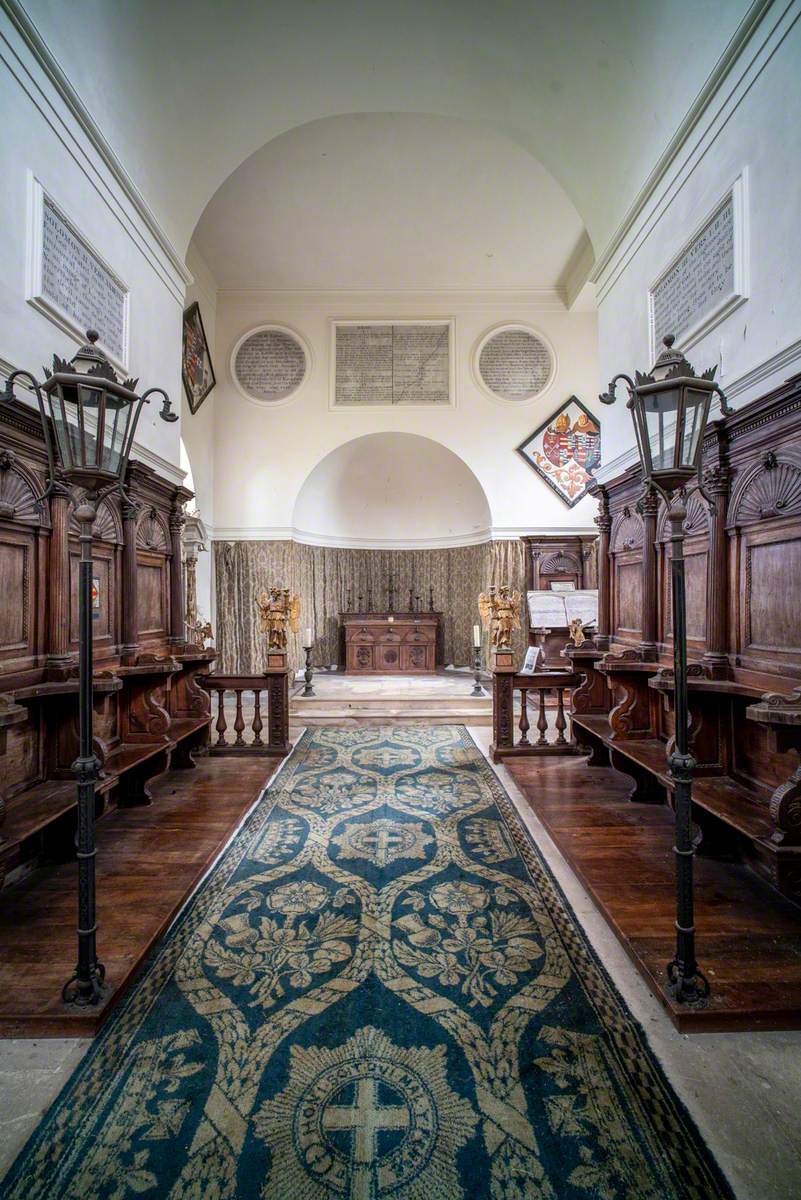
pixel 328 578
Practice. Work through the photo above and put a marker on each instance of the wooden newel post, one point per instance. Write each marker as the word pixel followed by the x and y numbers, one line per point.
pixel 277 677
pixel 58 585
pixel 130 624
pixel 604 523
pixel 649 507
pixel 503 672
pixel 177 519
pixel 716 658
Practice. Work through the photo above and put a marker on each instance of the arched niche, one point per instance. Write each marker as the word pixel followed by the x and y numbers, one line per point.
pixel 391 489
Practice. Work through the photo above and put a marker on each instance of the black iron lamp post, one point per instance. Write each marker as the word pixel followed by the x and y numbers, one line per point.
pixel 89 419
pixel 670 409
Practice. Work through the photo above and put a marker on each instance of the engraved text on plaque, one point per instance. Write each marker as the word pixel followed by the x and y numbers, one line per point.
pixel 77 284
pixel 699 281
pixel 404 363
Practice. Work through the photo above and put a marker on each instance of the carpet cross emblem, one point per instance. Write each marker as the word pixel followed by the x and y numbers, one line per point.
pixel 383 841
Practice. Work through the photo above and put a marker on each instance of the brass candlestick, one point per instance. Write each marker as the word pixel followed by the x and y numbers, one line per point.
pixel 308 674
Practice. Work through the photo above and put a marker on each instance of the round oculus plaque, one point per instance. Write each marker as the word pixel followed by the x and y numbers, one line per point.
pixel 269 364
pixel 514 364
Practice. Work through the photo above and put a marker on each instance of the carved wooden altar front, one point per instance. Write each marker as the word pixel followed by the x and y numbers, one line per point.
pixel 402 643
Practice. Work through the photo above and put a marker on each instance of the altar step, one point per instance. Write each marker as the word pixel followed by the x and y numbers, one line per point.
pixel 370 710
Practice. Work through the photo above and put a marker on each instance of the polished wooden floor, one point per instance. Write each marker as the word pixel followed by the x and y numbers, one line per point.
pixel 748 937
pixel 149 860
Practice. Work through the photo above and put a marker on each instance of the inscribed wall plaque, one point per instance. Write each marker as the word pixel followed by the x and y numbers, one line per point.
pixel 270 365
pixel 705 281
pixel 382 363
pixel 72 285
pixel 514 364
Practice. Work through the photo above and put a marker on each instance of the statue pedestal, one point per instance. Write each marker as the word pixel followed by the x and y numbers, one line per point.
pixel 276 661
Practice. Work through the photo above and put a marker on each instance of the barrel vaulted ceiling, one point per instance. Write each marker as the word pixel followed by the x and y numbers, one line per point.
pixel 187 91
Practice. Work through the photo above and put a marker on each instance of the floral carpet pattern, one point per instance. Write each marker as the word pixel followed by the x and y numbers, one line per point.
pixel 379 992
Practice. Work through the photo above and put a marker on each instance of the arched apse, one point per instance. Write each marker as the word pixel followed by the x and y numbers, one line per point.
pixel 378 202
pixel 391 489
pixel 548 75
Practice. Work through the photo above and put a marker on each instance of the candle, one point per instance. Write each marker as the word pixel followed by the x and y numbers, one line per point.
pixel 476 637
pixel 309 640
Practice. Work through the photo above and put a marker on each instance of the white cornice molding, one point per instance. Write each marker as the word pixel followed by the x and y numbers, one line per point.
pixel 788 357
pixel 761 31
pixel 545 298
pixel 141 224
pixel 285 533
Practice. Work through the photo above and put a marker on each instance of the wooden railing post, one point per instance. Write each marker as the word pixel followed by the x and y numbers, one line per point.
pixel 503 672
pixel 278 710
pixel 604 523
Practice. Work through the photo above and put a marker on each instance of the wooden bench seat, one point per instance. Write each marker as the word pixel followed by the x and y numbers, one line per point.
pixel 728 801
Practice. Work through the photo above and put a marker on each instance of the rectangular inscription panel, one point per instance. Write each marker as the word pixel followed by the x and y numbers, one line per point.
pixel 702 283
pixel 376 363
pixel 71 284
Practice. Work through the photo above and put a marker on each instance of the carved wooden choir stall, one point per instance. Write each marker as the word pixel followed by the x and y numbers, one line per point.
pixel 151 687
pixel 743 569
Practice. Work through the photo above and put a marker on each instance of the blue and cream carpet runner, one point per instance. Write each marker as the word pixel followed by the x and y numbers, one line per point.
pixel 379 992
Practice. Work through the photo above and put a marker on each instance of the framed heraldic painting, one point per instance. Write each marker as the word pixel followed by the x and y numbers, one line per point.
pixel 565 450
pixel 198 373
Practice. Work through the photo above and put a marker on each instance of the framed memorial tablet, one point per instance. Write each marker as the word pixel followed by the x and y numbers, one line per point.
pixel 196 368
pixel 565 450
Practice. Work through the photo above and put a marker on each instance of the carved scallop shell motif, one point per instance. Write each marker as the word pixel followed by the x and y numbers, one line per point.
pixel 774 492
pixel 558 563
pixel 105 528
pixel 629 532
pixel 151 534
pixel 17 497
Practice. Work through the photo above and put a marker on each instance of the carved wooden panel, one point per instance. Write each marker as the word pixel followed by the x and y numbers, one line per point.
pixel 104 597
pixel 766 570
pixel 153 595
pixel 18 589
pixel 22 763
pixel 695 576
pixel 627 598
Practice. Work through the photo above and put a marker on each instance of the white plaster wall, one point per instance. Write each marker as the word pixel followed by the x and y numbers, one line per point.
pixel 758 345
pixel 262 455
pixel 197 429
pixel 39 135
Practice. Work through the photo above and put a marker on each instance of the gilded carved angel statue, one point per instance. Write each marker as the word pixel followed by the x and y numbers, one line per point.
pixel 500 613
pixel 278 611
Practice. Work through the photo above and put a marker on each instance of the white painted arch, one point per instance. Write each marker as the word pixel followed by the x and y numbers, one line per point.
pixel 391 490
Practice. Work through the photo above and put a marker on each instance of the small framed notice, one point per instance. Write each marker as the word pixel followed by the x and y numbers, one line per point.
pixel 70 283
pixel 387 363
pixel 708 278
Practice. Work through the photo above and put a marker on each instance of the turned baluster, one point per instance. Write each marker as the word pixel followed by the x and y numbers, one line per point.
pixel 239 722
pixel 221 724
pixel 542 721
pixel 525 724
pixel 561 723
pixel 257 725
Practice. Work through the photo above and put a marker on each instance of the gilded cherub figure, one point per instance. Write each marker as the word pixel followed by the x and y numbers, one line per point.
pixel 500 613
pixel 200 632
pixel 577 634
pixel 278 611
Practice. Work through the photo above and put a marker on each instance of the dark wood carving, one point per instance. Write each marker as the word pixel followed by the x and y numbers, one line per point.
pixel 148 706
pixel 390 643
pixel 743 567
